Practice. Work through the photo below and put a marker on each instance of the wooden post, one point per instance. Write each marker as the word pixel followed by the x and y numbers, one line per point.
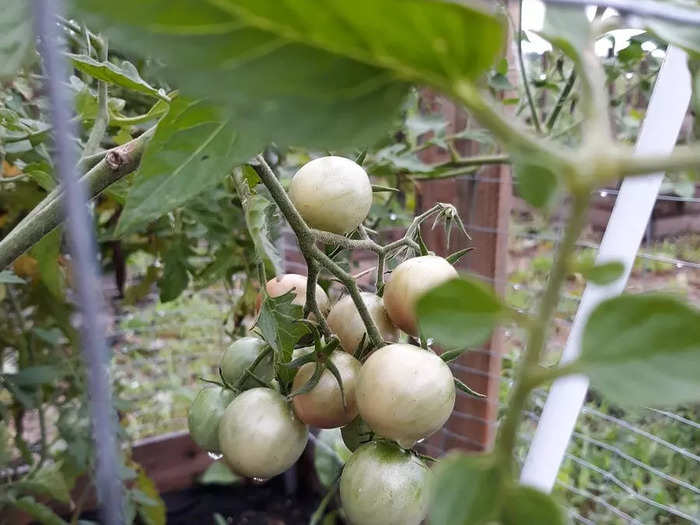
pixel 484 203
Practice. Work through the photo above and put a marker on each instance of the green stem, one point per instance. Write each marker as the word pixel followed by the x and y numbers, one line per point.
pixel 250 371
pixel 523 72
pixel 25 333
pixel 76 28
pixel 538 330
pixel 626 162
pixel 311 305
pixel 308 248
pixel 379 284
pixel 115 164
pixel 102 119
pixel 561 100
pixel 597 132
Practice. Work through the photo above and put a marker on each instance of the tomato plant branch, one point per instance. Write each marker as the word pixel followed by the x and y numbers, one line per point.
pixel 539 329
pixel 115 164
pixel 76 28
pixel 102 119
pixel 308 248
pixel 559 105
pixel 311 305
pixel 626 162
pixel 523 71
pixel 596 127
pixel 512 134
pixel 26 335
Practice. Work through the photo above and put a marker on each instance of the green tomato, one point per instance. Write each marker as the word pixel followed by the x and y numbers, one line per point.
pixel 344 321
pixel 205 414
pixel 239 356
pixel 259 434
pixel 332 194
pixel 382 484
pixel 409 281
pixel 356 434
pixel 405 393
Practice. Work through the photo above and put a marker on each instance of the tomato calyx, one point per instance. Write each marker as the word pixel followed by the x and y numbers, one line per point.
pixel 321 356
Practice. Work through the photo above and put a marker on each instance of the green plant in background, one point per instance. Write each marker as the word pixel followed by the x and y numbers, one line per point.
pixel 315 78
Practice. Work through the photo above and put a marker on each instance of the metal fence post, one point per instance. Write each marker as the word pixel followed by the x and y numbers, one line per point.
pixel 85 270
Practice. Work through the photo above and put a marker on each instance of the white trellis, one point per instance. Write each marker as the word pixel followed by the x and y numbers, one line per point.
pixel 667 108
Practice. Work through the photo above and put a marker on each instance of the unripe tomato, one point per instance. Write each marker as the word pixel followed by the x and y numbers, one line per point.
pixel 204 416
pixel 409 281
pixel 259 434
pixel 405 393
pixel 322 406
pixel 292 281
pixel 344 321
pixel 384 485
pixel 240 355
pixel 332 194
pixel 356 433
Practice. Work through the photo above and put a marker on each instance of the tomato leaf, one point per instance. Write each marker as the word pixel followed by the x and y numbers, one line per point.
pixel 311 383
pixel 568 28
pixel 528 505
pixel 151 509
pixel 16 37
pixel 468 390
pixel 459 313
pixel 34 376
pixel 467 489
pixel 218 474
pixel 643 350
pixel 296 74
pixel 455 257
pixel 194 148
pixel 260 215
pixel 336 373
pixel 330 453
pixel 39 511
pixel 683 36
pixel 280 327
pixel 5 451
pixel 46 252
pixel 48 481
pixel 536 184
pixel 604 273
pixel 175 275
pixel 126 75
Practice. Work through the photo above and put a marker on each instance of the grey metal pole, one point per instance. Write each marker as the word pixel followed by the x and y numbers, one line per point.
pixel 662 11
pixel 85 270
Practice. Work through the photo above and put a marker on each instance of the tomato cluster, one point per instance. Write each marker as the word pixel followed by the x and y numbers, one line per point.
pixel 385 399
